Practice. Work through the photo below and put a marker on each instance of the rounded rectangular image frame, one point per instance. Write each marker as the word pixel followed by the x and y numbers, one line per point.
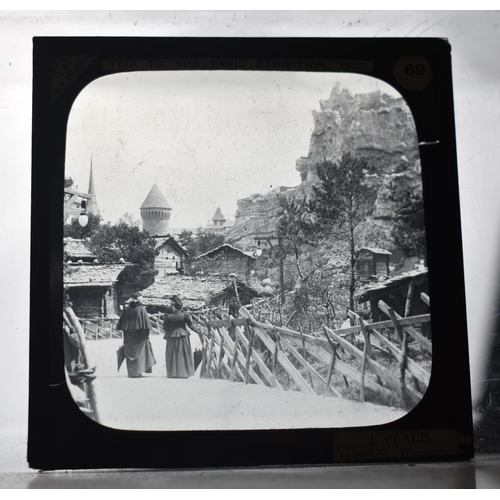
pixel 439 428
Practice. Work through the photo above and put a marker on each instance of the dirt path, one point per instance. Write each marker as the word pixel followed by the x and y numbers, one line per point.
pixel 157 403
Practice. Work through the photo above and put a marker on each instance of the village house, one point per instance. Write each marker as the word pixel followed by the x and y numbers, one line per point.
pixel 171 256
pixel 92 288
pixel 225 260
pixel 77 202
pixel 74 203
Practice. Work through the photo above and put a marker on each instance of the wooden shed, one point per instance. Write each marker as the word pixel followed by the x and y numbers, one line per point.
pixel 403 293
pixel 226 260
pixel 92 289
pixel 372 264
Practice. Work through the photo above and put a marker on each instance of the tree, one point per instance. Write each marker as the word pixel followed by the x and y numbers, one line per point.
pixel 409 228
pixel 129 220
pixel 188 241
pixel 208 241
pixel 340 203
pixel 294 230
pixel 200 243
pixel 110 243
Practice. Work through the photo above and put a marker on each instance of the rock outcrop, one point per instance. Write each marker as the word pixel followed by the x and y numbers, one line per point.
pixel 375 126
pixel 256 216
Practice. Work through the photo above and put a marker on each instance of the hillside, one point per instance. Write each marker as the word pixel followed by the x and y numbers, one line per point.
pixel 376 126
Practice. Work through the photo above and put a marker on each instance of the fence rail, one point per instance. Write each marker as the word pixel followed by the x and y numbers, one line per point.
pixel 79 369
pixel 105 328
pixel 387 362
pixel 378 360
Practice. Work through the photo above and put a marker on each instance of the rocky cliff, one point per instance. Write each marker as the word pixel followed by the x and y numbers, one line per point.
pixel 256 217
pixel 376 126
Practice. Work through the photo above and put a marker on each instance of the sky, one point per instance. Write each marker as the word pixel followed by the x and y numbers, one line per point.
pixel 206 138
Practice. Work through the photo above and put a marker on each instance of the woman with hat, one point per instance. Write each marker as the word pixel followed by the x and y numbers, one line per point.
pixel 178 354
pixel 135 325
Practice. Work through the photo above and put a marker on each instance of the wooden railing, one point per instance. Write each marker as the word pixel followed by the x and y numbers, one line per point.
pixel 79 369
pixel 100 328
pixel 379 358
pixel 105 328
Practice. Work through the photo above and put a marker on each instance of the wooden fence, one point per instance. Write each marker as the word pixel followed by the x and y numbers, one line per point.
pixel 105 328
pixel 386 362
pixel 79 369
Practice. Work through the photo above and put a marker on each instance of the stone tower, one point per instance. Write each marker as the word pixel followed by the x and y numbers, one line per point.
pixel 218 219
pixel 92 207
pixel 155 213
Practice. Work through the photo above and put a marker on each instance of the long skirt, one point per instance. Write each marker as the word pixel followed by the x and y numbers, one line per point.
pixel 179 357
pixel 138 352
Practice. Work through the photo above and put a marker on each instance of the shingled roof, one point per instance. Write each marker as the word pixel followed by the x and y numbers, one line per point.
pixel 93 274
pixel 367 291
pixel 212 252
pixel 155 199
pixel 76 249
pixel 170 240
pixel 194 291
pixel 377 251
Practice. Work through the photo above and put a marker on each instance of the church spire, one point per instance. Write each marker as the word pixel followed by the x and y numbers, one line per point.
pixel 92 207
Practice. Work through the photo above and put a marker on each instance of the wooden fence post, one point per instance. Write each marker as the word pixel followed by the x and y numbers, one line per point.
pixel 404 348
pixel 305 352
pixel 363 370
pixel 251 336
pixel 221 353
pixel 330 370
pixel 409 298
pixel 208 367
pixel 332 363
pixel 275 355
pixel 235 356
pixel 366 353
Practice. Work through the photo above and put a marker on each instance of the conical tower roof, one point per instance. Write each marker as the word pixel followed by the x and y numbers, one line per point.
pixel 218 215
pixel 155 199
pixel 92 207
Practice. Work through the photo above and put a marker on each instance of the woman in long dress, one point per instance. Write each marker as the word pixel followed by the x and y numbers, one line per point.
pixel 135 324
pixel 178 354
